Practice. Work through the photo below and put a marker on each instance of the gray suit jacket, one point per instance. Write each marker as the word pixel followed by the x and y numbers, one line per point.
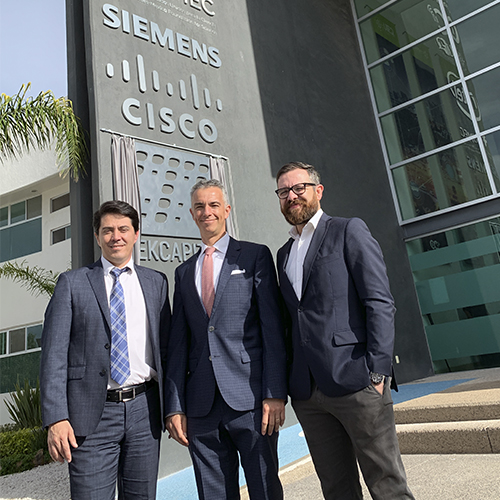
pixel 343 326
pixel 240 349
pixel 76 341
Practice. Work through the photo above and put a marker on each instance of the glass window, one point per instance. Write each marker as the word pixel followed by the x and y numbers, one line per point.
pixel 459 8
pixel 4 216
pixel 426 125
pixel 485 92
pixel 479 39
pixel 17 340
pixel 398 25
pixel 34 207
pixel 21 239
pixel 17 212
pixel 456 276
pixel 419 70
pixel 3 343
pixel 449 178
pixel 34 336
pixel 58 235
pixel 364 7
pixel 59 203
pixel 492 144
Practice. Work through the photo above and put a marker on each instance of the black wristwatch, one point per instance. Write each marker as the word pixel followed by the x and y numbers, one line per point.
pixel 376 378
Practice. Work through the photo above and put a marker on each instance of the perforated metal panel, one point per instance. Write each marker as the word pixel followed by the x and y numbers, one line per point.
pixel 165 180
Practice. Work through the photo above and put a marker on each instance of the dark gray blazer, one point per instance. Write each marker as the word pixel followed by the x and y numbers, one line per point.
pixel 343 326
pixel 76 340
pixel 240 349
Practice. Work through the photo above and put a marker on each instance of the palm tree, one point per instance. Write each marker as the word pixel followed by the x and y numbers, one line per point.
pixel 27 122
pixel 36 279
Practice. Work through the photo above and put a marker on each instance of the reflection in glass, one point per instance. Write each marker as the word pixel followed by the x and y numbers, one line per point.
pixel 17 212
pixel 17 340
pixel 34 336
pixel 446 179
pixel 414 72
pixel 398 25
pixel 456 276
pixel 426 125
pixel 4 216
pixel 364 7
pixel 486 90
pixel 492 145
pixel 478 40
pixel 459 8
pixel 34 207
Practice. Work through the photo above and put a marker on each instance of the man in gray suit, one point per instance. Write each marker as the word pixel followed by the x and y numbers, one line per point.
pixel 103 355
pixel 341 326
pixel 225 387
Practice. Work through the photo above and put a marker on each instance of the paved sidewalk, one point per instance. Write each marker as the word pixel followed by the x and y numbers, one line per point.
pixel 430 477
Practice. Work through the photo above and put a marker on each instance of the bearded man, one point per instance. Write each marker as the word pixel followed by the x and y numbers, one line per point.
pixel 340 325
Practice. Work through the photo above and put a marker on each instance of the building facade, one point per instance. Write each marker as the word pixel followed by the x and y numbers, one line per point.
pixel 35 230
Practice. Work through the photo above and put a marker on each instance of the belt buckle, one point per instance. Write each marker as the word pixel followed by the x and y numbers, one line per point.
pixel 124 400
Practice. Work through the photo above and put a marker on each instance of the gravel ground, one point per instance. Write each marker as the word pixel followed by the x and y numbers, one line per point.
pixel 48 482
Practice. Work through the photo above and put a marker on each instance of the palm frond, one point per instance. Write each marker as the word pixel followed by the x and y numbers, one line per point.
pixel 36 279
pixel 27 122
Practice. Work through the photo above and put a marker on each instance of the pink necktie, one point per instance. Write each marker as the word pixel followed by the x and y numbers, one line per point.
pixel 207 280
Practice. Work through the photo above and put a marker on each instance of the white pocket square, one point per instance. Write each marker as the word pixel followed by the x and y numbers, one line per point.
pixel 237 271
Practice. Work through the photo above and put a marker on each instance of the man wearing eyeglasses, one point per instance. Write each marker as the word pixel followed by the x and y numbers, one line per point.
pixel 340 322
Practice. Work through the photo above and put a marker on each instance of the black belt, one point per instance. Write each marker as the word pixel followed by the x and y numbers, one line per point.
pixel 128 393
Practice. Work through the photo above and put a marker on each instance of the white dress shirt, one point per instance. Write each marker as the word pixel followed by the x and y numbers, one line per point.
pixel 295 264
pixel 140 351
pixel 218 258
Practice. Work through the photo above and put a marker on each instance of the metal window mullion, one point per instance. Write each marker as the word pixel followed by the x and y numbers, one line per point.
pixel 373 12
pixel 473 13
pixel 432 152
pixel 417 99
pixel 450 228
pixel 377 119
pixel 406 47
pixel 469 103
pixel 446 210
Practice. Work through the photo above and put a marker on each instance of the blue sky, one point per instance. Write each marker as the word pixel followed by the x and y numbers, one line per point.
pixel 33 46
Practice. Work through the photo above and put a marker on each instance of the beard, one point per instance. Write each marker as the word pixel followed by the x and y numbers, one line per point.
pixel 302 215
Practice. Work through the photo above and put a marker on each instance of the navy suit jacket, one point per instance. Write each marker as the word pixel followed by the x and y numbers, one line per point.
pixel 343 326
pixel 76 341
pixel 240 349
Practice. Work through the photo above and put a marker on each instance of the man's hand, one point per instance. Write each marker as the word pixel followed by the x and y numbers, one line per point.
pixel 273 415
pixel 61 439
pixel 177 428
pixel 379 387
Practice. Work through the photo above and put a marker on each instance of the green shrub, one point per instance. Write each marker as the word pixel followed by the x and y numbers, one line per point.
pixel 22 450
pixel 25 407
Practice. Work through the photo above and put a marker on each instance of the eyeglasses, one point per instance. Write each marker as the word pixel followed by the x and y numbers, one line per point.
pixel 297 189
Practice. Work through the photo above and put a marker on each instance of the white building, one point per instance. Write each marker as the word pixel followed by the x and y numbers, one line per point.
pixel 34 229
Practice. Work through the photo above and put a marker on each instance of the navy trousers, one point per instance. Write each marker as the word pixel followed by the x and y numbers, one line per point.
pixel 214 444
pixel 123 452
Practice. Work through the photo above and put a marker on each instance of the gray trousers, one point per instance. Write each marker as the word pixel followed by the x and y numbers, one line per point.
pixel 123 452
pixel 358 426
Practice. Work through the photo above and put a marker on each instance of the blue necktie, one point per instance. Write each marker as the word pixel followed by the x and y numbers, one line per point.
pixel 120 367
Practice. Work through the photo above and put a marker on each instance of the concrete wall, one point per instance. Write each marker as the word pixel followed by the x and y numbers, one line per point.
pixel 316 108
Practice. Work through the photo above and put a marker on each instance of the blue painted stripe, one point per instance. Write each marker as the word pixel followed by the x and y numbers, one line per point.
pixel 291 445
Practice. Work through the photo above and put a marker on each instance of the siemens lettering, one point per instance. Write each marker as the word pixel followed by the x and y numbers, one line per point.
pixel 151 32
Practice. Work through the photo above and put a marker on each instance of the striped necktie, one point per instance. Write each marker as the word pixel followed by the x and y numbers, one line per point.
pixel 120 367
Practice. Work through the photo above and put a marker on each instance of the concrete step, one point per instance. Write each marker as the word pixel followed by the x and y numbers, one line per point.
pixel 453 405
pixel 469 437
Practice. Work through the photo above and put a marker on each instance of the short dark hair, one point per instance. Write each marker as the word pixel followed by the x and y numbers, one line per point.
pixel 294 165
pixel 119 208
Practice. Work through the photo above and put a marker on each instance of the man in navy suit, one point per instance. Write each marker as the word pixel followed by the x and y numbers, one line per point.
pixel 225 386
pixel 104 407
pixel 341 330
